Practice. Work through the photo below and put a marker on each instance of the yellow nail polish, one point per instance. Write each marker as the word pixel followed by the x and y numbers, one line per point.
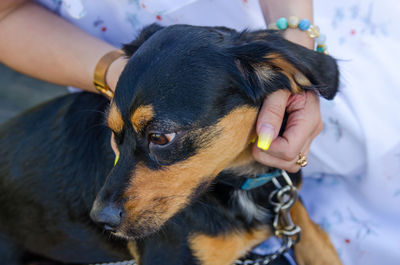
pixel 253 140
pixel 264 141
pixel 265 136
pixel 116 160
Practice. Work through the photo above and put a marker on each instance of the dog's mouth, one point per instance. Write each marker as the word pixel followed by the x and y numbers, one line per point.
pixel 131 234
pixel 136 230
pixel 126 228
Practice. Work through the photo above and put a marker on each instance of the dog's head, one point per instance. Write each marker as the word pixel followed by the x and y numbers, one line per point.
pixel 185 109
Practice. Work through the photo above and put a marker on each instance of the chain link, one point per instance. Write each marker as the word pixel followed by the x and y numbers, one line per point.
pixel 282 199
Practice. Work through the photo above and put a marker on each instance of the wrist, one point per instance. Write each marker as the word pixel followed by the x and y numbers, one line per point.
pixel 107 72
pixel 299 37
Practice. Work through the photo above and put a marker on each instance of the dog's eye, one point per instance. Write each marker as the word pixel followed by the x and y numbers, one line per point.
pixel 160 138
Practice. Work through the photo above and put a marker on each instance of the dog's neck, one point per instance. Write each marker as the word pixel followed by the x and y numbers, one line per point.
pixel 243 167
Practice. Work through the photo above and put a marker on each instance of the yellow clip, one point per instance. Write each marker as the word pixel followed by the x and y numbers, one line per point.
pixel 116 160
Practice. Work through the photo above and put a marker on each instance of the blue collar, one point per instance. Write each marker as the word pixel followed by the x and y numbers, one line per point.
pixel 252 183
pixel 247 183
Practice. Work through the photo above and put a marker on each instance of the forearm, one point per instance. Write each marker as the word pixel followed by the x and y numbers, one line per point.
pixel 38 43
pixel 274 9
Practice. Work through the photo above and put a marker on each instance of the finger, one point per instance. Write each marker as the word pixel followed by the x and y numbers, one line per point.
pixel 270 118
pixel 273 161
pixel 303 125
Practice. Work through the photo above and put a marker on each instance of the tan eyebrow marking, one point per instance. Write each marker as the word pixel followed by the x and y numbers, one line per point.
pixel 114 119
pixel 142 116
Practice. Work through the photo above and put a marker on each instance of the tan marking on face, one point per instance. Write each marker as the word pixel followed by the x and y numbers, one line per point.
pixel 114 119
pixel 225 249
pixel 134 251
pixel 156 195
pixel 141 117
pixel 315 246
pixel 244 158
pixel 295 77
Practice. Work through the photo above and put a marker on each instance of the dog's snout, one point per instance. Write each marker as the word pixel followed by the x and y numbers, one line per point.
pixel 108 216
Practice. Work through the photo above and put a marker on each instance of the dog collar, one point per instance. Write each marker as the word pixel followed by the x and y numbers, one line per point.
pixel 259 180
pixel 250 183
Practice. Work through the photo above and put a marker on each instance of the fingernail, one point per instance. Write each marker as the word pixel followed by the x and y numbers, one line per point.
pixel 116 160
pixel 253 140
pixel 265 136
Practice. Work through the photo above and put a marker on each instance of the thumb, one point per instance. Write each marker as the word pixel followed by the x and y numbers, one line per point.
pixel 270 118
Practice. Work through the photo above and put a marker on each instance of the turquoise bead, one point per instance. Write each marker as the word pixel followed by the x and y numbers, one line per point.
pixel 304 24
pixel 282 23
pixel 321 48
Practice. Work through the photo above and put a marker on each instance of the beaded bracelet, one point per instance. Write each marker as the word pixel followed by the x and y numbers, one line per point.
pixel 303 25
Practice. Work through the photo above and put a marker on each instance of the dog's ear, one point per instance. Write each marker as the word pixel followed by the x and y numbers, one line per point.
pixel 146 33
pixel 267 62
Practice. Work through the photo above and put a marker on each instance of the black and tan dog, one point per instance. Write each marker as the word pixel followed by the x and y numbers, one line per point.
pixel 183 116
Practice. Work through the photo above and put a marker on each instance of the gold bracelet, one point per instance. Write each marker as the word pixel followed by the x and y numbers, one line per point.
pixel 100 72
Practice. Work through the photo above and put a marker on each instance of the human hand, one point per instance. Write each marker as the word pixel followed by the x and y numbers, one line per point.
pixel 303 125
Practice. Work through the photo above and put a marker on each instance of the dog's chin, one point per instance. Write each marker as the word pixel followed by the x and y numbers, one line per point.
pixel 131 233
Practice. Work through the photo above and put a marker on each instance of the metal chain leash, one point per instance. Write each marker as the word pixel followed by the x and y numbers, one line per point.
pixel 282 199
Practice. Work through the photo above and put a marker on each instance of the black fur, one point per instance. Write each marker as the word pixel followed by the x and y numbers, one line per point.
pixel 55 158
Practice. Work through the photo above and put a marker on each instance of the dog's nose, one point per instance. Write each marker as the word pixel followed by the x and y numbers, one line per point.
pixel 109 216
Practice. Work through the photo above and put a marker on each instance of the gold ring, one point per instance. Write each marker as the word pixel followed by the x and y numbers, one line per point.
pixel 302 161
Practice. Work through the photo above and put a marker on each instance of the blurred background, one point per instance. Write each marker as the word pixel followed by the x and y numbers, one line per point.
pixel 18 92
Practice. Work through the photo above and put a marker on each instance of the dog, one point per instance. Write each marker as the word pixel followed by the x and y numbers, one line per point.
pixel 182 120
